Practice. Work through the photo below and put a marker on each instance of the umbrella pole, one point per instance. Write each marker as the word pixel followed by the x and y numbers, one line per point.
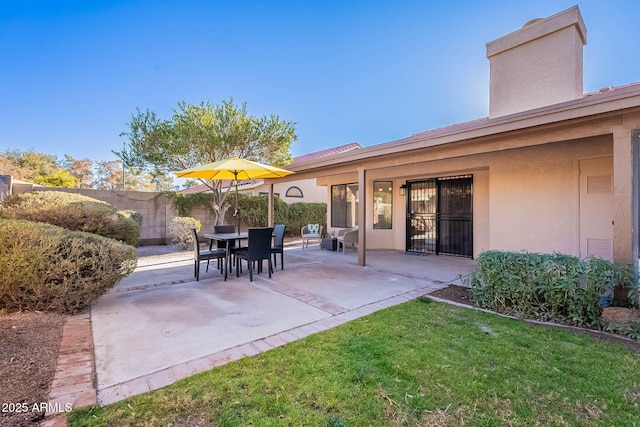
pixel 237 206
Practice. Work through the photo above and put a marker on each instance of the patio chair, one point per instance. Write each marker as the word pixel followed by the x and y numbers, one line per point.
pixel 259 249
pixel 223 245
pixel 278 245
pixel 345 237
pixel 198 255
pixel 311 232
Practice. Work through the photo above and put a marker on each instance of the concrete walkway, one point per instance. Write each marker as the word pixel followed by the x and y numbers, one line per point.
pixel 158 325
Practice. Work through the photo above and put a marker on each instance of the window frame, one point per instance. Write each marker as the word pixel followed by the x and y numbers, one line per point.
pixel 294 188
pixel 344 208
pixel 382 205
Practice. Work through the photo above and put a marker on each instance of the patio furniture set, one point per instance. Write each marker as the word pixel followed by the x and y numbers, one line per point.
pixel 262 244
pixel 346 237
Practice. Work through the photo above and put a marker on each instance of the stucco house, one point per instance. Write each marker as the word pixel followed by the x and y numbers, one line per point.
pixel 551 169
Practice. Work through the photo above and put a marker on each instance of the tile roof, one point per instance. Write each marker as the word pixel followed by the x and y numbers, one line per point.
pixel 484 119
pixel 195 189
pixel 326 152
pixel 479 121
pixel 610 89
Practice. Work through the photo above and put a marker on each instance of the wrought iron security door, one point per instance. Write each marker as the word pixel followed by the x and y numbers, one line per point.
pixel 440 216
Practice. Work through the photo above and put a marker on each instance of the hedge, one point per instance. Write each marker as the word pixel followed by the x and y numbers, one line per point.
pixel 253 213
pixel 301 214
pixel 74 212
pixel 554 287
pixel 47 268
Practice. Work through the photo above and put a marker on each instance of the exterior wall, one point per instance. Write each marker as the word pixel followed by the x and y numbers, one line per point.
pixel 523 199
pixel 474 165
pixel 534 196
pixel 5 186
pixel 538 65
pixel 24 187
pixel 312 192
pixel 156 209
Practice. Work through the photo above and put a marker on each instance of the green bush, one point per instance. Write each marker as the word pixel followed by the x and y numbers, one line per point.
pixel 547 287
pixel 254 213
pixel 180 231
pixel 45 267
pixel 301 214
pixel 74 212
pixel 185 203
pixel 254 210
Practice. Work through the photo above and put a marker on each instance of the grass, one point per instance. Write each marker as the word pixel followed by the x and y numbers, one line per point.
pixel 417 364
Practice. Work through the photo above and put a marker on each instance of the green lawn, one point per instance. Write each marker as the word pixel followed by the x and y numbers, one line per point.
pixel 416 364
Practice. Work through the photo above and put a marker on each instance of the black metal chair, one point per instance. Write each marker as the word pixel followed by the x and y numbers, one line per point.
pixel 198 255
pixel 223 245
pixel 278 245
pixel 259 249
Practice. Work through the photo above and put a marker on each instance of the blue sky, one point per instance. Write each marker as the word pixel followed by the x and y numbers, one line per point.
pixel 72 73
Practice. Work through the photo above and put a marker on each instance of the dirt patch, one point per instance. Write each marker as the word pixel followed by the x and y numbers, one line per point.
pixel 460 294
pixel 454 293
pixel 29 344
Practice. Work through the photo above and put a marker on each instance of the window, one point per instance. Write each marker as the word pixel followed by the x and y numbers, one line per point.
pixel 294 192
pixel 264 193
pixel 344 205
pixel 382 204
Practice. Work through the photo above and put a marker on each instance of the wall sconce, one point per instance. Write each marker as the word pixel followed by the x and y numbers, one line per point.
pixel 403 190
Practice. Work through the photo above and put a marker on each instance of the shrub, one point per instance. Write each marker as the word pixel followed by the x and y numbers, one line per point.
pixel 253 212
pixel 542 286
pixel 74 212
pixel 45 267
pixel 301 214
pixel 180 231
pixel 134 215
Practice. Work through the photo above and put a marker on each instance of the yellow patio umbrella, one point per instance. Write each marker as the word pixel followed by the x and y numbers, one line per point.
pixel 236 169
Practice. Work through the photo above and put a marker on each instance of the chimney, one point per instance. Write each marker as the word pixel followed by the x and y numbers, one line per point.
pixel 538 65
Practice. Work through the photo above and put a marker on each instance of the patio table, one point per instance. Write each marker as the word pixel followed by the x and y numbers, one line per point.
pixel 230 238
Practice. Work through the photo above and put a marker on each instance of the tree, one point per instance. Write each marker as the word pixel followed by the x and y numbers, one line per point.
pixel 82 169
pixel 107 176
pixel 38 168
pixel 190 183
pixel 61 179
pixel 199 134
pixel 161 182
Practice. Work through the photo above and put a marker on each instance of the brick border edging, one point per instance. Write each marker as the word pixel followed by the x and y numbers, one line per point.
pixel 73 385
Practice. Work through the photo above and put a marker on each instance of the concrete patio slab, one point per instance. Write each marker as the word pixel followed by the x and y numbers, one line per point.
pixel 158 325
pixel 143 331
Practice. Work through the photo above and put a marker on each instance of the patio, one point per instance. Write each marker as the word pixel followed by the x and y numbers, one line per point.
pixel 159 325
